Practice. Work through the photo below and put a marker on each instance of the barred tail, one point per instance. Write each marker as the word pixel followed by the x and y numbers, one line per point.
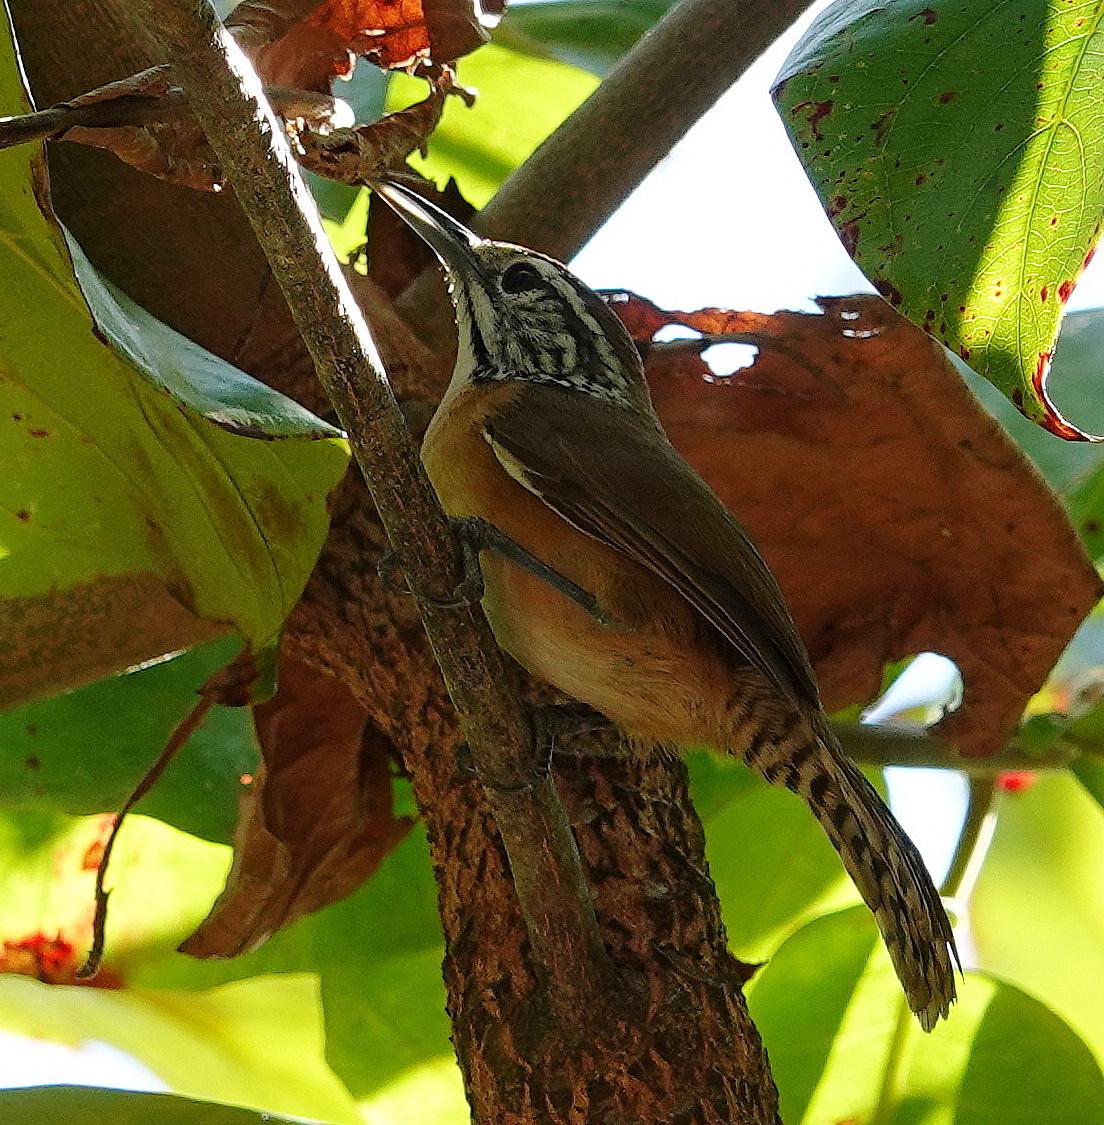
pixel 881 860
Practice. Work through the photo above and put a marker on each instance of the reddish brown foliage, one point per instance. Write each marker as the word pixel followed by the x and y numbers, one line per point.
pixel 305 43
pixel 318 817
pixel 53 960
pixel 897 515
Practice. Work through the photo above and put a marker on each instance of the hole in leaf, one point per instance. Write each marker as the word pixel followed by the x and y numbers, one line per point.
pixel 727 359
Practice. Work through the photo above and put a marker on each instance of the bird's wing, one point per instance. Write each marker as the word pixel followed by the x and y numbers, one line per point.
pixel 614 476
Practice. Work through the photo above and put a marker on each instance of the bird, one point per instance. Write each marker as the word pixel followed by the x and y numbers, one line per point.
pixel 667 620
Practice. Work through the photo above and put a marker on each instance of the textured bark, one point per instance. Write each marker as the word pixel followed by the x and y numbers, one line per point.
pixel 682 1048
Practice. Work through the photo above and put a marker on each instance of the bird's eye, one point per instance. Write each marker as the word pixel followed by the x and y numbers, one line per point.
pixel 521 278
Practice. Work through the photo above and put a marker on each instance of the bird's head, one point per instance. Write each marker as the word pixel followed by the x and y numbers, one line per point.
pixel 522 315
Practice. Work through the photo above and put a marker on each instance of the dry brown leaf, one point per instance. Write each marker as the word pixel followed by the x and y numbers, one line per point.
pixel 355 156
pixel 174 149
pixel 896 513
pixel 304 42
pixel 146 122
pixel 318 820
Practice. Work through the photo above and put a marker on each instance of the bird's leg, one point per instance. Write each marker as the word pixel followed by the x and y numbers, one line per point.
pixel 481 535
pixel 475 534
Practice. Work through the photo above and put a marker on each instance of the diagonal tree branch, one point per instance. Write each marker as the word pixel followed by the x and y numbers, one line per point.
pixel 589 166
pixel 223 92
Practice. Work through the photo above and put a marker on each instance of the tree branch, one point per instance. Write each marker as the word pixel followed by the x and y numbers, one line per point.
pixel 873 745
pixel 580 175
pixel 125 105
pixel 223 93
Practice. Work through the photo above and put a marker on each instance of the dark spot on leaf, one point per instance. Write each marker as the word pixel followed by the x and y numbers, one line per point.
pixel 17 417
pixel 1017 398
pixel 31 730
pixel 818 111
pixel 921 179
pixel 39 433
pixel 23 515
pixel 947 97
pixel 1088 258
pixel 928 15
pixel 1065 291
pixel 878 126
pixel 32 763
pixel 1043 294
pixel 1092 527
pixel 849 235
pixel 998 128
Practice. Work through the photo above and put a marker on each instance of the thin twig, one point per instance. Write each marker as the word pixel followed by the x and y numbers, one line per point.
pixel 979 804
pixel 873 745
pixel 137 109
pixel 223 92
pixel 184 730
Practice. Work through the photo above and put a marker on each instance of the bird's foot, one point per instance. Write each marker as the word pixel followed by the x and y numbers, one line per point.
pixel 470 588
pixel 549 722
pixel 552 721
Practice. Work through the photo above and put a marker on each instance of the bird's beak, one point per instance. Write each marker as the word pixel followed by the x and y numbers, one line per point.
pixel 450 240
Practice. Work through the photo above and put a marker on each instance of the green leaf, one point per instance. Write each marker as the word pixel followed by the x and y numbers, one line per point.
pixel 521 100
pixel 959 150
pixel 132 477
pixel 590 34
pixel 770 860
pixel 843 1045
pixel 1089 770
pixel 255 1042
pixel 85 751
pixel 1037 912
pixel 1067 466
pixel 86 1105
pixel 377 954
pixel 162 883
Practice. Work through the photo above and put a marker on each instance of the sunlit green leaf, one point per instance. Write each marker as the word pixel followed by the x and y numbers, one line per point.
pixel 163 884
pixel 432 1091
pixel 521 100
pixel 844 1047
pixel 377 954
pixel 959 150
pixel 1068 467
pixel 591 34
pixel 84 752
pixel 130 462
pixel 768 856
pixel 86 1105
pixel 1037 913
pixel 254 1042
